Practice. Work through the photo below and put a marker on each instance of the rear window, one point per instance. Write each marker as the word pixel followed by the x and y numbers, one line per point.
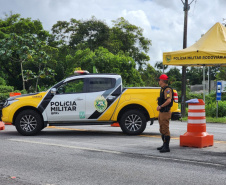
pixel 100 84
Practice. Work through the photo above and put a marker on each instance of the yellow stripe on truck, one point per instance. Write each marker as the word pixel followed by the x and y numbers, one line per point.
pixel 108 113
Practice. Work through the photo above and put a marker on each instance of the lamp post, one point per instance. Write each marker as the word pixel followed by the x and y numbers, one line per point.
pixel 183 90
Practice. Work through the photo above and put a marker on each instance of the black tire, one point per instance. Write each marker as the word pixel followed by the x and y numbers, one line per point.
pixel 133 122
pixel 28 122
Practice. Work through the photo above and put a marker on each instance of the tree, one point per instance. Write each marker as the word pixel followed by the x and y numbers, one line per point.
pixel 195 75
pixel 160 66
pixel 23 31
pixel 150 76
pixel 122 37
pixel 174 75
pixel 82 34
pixel 129 38
pixel 22 49
pixel 106 62
pixel 13 23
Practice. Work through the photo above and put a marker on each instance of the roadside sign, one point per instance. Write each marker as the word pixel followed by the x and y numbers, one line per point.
pixel 219 90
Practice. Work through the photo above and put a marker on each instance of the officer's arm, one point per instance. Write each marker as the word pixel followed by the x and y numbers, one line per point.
pixel 167 102
pixel 168 97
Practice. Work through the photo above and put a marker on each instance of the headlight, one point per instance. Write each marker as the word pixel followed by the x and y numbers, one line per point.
pixel 8 102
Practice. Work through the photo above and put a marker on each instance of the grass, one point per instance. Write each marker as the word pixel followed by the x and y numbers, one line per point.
pixel 211 120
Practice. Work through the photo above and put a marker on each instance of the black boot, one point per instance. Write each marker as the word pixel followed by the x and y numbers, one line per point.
pixel 163 138
pixel 166 145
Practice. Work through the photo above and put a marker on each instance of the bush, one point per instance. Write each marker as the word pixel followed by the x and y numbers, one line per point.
pixel 194 95
pixel 211 109
pixel 2 81
pixel 5 89
pixel 221 108
pixel 4 96
pixel 176 85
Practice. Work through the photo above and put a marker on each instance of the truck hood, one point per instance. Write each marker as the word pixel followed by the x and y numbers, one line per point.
pixel 20 96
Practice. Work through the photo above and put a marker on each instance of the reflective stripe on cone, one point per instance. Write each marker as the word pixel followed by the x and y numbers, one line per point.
pixel 196 114
pixel 196 107
pixel 198 121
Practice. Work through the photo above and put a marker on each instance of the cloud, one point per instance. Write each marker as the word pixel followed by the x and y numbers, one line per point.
pixel 162 21
pixel 139 17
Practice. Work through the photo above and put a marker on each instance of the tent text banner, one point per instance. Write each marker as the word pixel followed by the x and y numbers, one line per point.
pixel 199 59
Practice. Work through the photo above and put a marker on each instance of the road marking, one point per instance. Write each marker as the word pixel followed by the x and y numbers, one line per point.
pixel 65 146
pixel 63 128
pixel 154 136
pixel 216 141
pixel 158 136
pixel 121 153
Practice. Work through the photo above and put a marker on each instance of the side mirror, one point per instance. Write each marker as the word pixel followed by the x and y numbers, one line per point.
pixel 53 91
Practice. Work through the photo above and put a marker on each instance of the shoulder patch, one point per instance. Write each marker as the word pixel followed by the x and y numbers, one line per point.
pixel 168 91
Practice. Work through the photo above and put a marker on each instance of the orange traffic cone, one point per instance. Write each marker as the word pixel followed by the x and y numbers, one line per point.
pixel 115 124
pixel 196 135
pixel 2 125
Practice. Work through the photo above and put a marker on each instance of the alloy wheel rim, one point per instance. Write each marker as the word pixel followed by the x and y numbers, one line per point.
pixel 28 123
pixel 133 122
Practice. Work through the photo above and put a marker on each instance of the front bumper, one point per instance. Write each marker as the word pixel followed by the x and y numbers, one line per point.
pixel 1 107
pixel 5 117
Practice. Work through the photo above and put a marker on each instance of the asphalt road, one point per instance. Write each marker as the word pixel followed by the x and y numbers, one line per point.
pixel 104 155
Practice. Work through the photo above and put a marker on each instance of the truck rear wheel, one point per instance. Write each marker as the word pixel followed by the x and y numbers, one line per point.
pixel 133 122
pixel 28 123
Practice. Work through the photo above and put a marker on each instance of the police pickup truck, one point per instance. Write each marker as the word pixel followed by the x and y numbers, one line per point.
pixel 88 99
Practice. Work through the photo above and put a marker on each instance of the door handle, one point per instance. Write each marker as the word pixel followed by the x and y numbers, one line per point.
pixel 111 97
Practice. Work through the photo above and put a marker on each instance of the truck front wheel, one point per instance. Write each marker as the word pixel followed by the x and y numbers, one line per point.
pixel 133 122
pixel 28 123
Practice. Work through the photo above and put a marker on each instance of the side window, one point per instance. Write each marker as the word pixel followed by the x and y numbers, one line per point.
pixel 75 86
pixel 100 84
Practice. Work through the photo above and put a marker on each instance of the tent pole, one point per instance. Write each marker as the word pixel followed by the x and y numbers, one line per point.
pixel 204 83
pixel 183 92
pixel 209 79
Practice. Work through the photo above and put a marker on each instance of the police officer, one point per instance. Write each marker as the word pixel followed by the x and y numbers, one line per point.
pixel 165 102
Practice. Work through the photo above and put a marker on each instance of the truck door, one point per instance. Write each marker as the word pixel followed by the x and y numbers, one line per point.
pixel 68 104
pixel 98 96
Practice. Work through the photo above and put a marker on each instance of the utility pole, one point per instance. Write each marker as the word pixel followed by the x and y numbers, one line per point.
pixel 183 90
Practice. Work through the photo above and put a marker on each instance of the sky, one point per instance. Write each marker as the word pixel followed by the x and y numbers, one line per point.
pixel 162 20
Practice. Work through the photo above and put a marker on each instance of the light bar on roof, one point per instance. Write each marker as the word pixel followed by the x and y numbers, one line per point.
pixel 81 72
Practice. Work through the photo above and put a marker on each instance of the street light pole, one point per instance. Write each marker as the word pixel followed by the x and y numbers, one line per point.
pixel 183 90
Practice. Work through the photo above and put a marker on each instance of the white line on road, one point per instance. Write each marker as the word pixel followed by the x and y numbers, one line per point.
pixel 117 152
pixel 66 146
pixel 143 135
